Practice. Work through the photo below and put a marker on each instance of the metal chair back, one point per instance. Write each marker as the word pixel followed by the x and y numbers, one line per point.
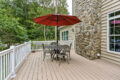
pixel 53 43
pixel 43 46
pixel 65 48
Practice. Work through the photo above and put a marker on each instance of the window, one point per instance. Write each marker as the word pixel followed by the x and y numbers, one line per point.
pixel 114 31
pixel 65 35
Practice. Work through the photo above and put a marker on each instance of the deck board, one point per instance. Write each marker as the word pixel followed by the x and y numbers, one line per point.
pixel 79 68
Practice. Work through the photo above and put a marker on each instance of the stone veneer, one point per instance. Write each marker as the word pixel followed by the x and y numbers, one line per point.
pixel 88 32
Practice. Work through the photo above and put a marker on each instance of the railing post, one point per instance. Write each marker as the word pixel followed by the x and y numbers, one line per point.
pixel 30 46
pixel 73 42
pixel 25 49
pixel 13 61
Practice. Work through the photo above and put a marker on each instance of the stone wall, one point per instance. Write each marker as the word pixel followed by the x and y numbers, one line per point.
pixel 87 36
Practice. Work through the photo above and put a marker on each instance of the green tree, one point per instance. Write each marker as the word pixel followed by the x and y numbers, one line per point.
pixel 22 12
pixel 10 30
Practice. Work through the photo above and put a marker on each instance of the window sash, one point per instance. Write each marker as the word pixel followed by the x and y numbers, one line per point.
pixel 114 36
pixel 65 35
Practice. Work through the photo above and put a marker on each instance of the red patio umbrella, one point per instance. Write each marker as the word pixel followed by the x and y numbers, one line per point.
pixel 56 20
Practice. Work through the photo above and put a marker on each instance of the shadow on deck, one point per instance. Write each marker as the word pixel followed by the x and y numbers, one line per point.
pixel 34 68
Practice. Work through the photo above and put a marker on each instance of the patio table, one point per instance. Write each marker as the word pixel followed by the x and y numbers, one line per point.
pixel 56 49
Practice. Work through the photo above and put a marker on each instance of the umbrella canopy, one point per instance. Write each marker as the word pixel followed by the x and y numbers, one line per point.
pixel 56 20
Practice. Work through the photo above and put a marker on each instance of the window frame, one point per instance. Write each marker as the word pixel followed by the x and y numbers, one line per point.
pixel 108 31
pixel 65 35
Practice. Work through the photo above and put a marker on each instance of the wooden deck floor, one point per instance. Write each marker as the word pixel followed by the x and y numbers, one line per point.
pixel 34 68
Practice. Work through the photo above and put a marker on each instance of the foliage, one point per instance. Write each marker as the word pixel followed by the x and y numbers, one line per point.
pixel 32 10
pixel 10 30
pixel 16 17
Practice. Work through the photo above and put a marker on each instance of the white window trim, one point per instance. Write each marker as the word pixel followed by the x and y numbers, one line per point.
pixel 108 38
pixel 68 35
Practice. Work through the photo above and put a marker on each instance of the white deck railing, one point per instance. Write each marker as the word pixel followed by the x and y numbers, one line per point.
pixel 11 59
pixel 37 45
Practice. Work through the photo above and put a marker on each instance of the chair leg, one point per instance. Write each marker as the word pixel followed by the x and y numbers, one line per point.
pixel 67 59
pixel 44 56
pixel 69 56
pixel 60 61
pixel 56 57
pixel 52 57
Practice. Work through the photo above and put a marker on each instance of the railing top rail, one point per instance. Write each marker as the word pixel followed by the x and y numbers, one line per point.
pixel 10 49
pixel 5 52
pixel 43 41
pixel 20 45
pixel 52 41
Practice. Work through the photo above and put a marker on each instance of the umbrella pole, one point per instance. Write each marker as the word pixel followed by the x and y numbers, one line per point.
pixel 57 30
pixel 57 35
pixel 57 43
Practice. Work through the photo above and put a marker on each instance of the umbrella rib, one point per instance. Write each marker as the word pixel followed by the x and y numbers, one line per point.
pixel 72 18
pixel 48 22
pixel 45 18
pixel 67 20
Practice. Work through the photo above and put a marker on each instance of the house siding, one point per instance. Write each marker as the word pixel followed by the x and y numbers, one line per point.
pixel 108 6
pixel 70 29
pixel 79 6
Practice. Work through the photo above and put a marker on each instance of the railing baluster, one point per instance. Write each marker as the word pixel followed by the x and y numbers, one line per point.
pixel 8 63
pixel 13 61
pixel 1 67
pixel 4 65
pixel 20 54
pixel 17 57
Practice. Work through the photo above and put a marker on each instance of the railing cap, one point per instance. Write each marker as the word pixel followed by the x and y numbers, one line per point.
pixel 11 47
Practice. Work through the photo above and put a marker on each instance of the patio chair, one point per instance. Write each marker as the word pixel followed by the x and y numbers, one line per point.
pixel 63 54
pixel 47 51
pixel 68 49
pixel 54 43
